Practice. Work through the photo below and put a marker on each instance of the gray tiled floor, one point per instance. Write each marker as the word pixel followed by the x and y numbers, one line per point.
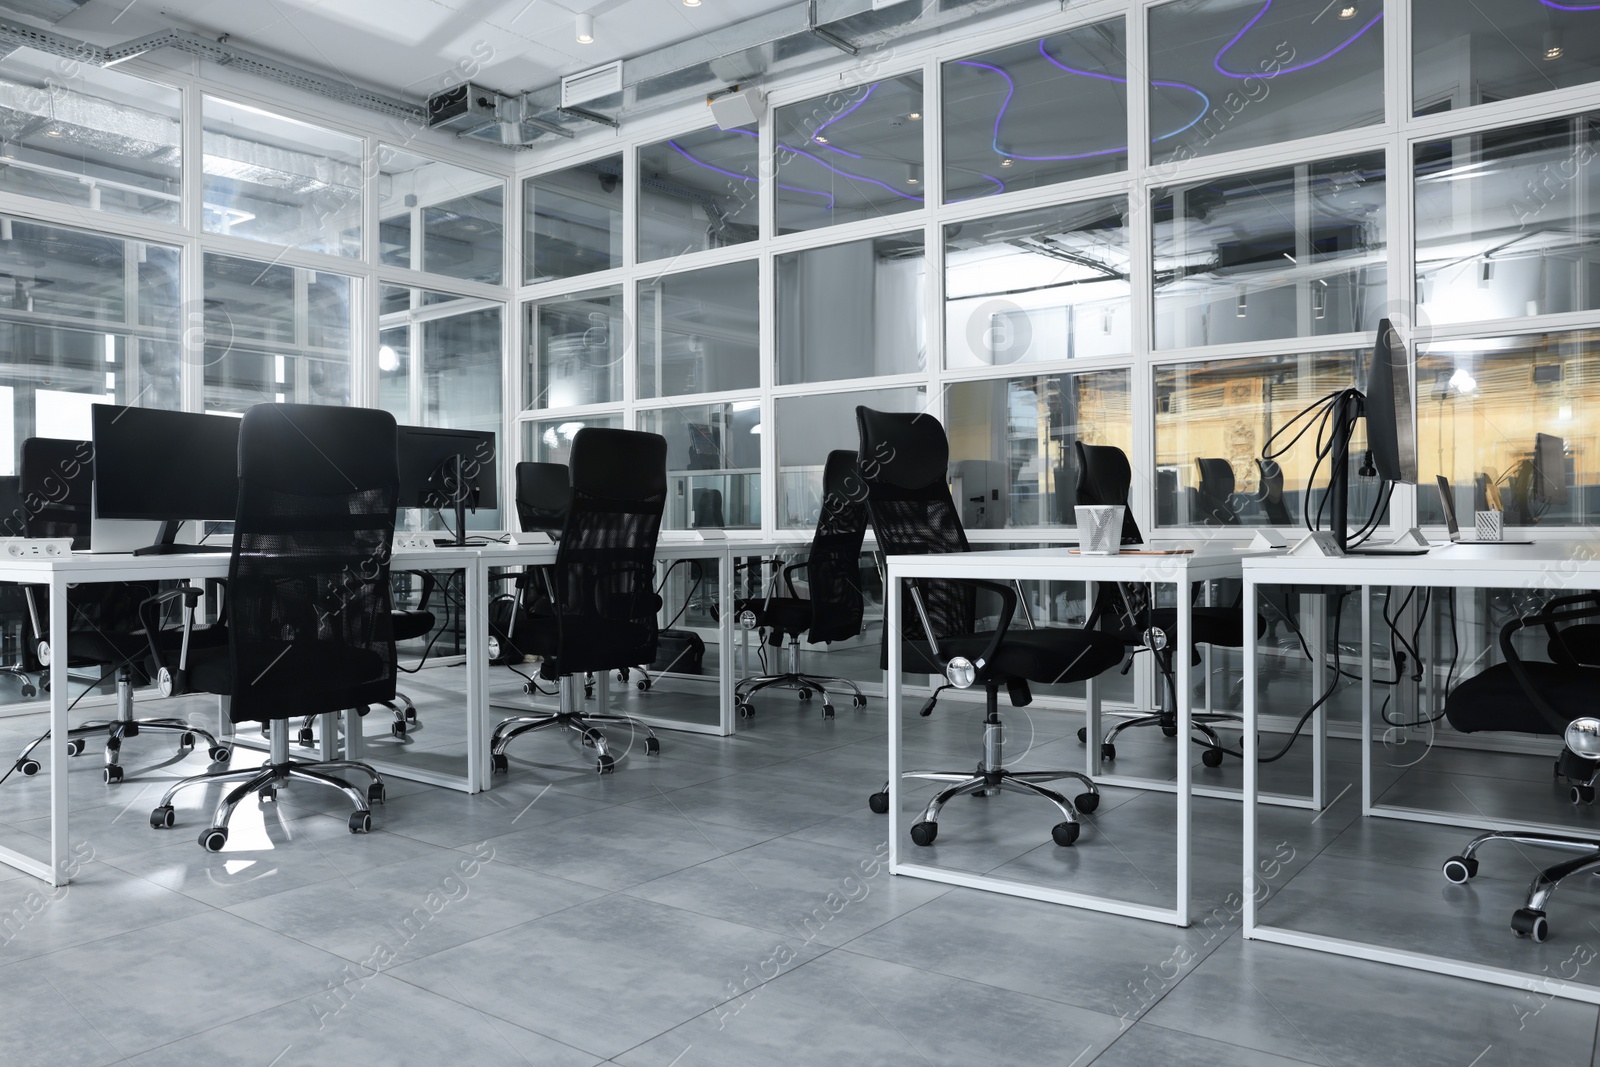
pixel 725 903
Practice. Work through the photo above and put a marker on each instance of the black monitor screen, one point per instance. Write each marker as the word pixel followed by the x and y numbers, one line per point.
pixel 164 465
pixel 1390 433
pixel 427 467
pixel 1549 469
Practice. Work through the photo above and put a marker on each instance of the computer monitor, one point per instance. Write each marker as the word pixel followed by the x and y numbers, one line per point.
pixel 1391 435
pixel 447 469
pixel 165 467
pixel 1549 469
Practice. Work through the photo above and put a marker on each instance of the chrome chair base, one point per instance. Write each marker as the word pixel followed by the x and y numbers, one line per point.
pixel 1529 920
pixel 123 726
pixel 799 681
pixel 580 722
pixel 264 782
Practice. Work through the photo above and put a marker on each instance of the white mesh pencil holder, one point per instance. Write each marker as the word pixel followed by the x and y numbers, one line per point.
pixel 1491 525
pixel 1100 529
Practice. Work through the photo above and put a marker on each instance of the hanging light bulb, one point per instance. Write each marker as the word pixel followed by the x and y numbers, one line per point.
pixel 388 360
pixel 1243 311
pixel 585 28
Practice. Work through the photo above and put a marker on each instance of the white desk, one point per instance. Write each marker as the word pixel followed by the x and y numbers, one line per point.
pixel 1554 567
pixel 56 574
pixel 1207 560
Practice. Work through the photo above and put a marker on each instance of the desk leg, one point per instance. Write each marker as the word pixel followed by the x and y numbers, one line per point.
pixel 1314 612
pixel 1185 713
pixel 1366 700
pixel 59 699
pixel 726 676
pixel 475 579
pixel 1091 710
pixel 1251 659
pixel 891 692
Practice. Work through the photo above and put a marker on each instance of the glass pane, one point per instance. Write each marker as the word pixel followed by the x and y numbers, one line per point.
pixel 1492 50
pixel 1482 406
pixel 1234 264
pixel 853 154
pixel 1038 286
pixel 1214 423
pixel 96 139
pixel 274 334
pixel 68 337
pixel 1507 222
pixel 1011 456
pixel 1004 127
pixel 269 178
pixel 394 372
pixel 852 310
pixel 575 345
pixel 713 464
pixel 1227 74
pixel 700 331
pixel 551 441
pixel 458 215
pixel 809 427
pixel 697 191
pixel 572 221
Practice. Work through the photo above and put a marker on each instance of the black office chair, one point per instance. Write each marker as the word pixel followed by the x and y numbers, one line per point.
pixel 310 610
pixel 104 627
pixel 14 644
pixel 1555 699
pixel 1130 612
pixel 603 604
pixel 834 609
pixel 903 461
pixel 1215 494
pixel 1271 495
pixel 708 509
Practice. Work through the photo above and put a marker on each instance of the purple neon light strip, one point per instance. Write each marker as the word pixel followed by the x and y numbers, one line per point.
pixel 999 188
pixel 676 147
pixel 841 173
pixel 1570 7
pixel 1205 104
pixel 1216 62
pixel 846 113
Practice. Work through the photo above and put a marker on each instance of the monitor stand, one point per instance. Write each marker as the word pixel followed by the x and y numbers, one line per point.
pixel 458 471
pixel 167 543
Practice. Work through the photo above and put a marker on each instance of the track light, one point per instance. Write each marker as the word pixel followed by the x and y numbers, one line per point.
pixel 1243 311
pixel 585 28
pixel 1319 300
pixel 913 174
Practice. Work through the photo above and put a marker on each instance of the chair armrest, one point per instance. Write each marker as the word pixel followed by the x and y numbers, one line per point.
pixel 172 678
pixel 1008 608
pixel 1546 617
pixel 788 575
pixel 1552 613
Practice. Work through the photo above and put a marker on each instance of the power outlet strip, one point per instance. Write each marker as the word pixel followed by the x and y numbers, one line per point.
pixel 36 547
pixel 405 542
pixel 531 537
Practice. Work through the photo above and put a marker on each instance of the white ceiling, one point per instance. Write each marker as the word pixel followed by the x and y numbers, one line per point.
pixel 417 47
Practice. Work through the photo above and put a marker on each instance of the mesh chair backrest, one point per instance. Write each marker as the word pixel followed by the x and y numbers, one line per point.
pixel 708 509
pixel 605 566
pixel 544 492
pixel 1104 478
pixel 904 460
pixel 833 568
pixel 1272 491
pixel 308 584
pixel 1217 484
pixel 56 479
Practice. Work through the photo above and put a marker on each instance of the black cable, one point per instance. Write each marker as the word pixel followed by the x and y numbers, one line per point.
pixel 432 640
pixel 98 683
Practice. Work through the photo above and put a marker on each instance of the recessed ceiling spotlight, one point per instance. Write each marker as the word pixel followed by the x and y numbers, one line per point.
pixel 915 116
pixel 1005 162
pixel 691 3
pixel 820 139
pixel 585 23
pixel 1348 11
pixel 1552 46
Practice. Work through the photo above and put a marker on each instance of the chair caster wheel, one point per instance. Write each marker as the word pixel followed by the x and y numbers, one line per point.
pixel 805 694
pixel 923 833
pixel 499 763
pixel 652 746
pixel 1458 869
pixel 1211 757
pixel 643 686
pixel 376 793
pixel 605 764
pixel 1064 833
pixel 29 691
pixel 186 741
pixel 1108 751
pixel 361 822
pixel 112 775
pixel 411 715
pixel 75 746
pixel 827 711
pixel 1530 924
pixel 1083 735
pixel 1583 794
pixel 163 818
pixel 213 838
pixel 220 754
pixel 267 795
pixel 308 736
pixel 398 729
pixel 858 701
pixel 28 767
pixel 1087 803
pixel 879 803
pixel 747 711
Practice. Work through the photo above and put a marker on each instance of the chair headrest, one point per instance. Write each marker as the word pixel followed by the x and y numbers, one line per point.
pixel 907 450
pixel 619 464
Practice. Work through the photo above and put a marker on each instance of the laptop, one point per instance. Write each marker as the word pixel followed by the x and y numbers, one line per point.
pixel 1447 497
